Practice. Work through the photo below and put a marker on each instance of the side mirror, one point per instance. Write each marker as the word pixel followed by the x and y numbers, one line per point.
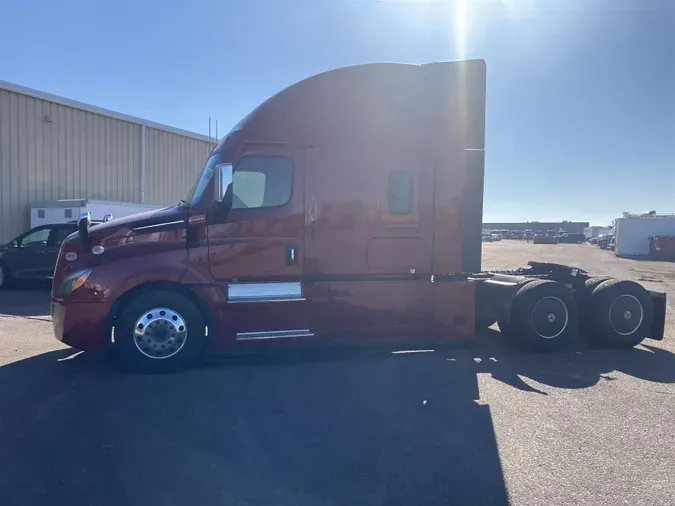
pixel 83 224
pixel 107 217
pixel 223 182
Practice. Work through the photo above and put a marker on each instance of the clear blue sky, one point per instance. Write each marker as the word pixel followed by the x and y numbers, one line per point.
pixel 581 93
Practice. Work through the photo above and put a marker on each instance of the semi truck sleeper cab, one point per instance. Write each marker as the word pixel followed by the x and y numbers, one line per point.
pixel 346 207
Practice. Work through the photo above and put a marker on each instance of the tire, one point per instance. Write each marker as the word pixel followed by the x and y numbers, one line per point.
pixel 159 332
pixel 505 328
pixel 544 316
pixel 621 314
pixel 584 298
pixel 592 283
pixel 6 278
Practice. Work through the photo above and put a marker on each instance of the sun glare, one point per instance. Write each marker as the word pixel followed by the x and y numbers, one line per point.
pixel 459 10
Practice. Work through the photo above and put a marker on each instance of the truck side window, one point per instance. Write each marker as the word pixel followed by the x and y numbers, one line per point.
pixel 400 192
pixel 262 182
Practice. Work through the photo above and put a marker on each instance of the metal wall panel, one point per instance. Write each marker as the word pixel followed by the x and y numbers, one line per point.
pixel 50 151
pixel 172 164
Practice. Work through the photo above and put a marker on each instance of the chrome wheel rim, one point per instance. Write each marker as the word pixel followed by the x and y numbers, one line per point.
pixel 550 317
pixel 160 333
pixel 626 315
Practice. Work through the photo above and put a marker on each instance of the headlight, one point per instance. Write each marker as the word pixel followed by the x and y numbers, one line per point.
pixel 73 282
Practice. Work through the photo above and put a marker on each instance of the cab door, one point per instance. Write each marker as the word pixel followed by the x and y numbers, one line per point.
pixel 256 253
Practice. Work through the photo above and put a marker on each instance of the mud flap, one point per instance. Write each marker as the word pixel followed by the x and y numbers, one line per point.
pixel 658 325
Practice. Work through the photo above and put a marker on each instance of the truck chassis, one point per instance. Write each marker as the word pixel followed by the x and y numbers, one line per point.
pixel 542 305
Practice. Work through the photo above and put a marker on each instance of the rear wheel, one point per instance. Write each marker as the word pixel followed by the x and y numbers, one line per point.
pixel 505 328
pixel 159 331
pixel 585 301
pixel 621 313
pixel 592 283
pixel 544 316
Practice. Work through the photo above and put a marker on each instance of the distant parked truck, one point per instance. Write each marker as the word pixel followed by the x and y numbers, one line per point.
pixel 542 238
pixel 571 238
pixel 604 240
pixel 590 232
pixel 63 211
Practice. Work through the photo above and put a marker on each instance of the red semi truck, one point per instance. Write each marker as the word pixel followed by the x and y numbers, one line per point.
pixel 346 207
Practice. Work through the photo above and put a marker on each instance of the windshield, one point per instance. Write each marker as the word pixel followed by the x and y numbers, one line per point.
pixel 194 197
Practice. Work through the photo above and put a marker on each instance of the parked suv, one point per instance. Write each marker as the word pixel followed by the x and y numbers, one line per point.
pixel 32 255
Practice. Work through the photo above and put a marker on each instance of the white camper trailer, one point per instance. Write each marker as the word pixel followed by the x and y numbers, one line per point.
pixel 63 211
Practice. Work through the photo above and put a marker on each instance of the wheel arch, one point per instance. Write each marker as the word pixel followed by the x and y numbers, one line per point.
pixel 148 286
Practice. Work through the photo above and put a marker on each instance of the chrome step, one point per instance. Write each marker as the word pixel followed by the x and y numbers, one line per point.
pixel 273 334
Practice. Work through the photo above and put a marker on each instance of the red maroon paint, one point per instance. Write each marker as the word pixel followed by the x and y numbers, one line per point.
pixel 365 272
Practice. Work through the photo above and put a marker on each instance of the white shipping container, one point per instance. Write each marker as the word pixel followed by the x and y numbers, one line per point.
pixel 63 211
pixel 632 234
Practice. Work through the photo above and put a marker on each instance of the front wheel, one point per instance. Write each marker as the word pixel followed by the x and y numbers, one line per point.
pixel 159 331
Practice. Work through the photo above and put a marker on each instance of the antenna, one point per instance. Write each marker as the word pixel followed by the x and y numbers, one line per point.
pixel 209 129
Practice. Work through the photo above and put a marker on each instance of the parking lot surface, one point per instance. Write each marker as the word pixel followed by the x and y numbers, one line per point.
pixel 480 424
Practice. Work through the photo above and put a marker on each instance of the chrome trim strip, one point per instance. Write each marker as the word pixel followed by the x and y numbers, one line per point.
pixel 273 334
pixel 135 229
pixel 264 292
pixel 268 299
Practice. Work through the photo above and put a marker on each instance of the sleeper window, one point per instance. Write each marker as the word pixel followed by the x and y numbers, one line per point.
pixel 400 192
pixel 262 182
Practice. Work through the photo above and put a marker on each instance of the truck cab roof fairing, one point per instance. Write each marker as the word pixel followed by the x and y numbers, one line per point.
pixel 363 102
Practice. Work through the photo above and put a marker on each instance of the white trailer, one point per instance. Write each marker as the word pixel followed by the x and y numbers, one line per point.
pixel 63 211
pixel 632 232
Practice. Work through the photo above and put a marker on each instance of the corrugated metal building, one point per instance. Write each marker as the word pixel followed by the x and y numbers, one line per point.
pixel 55 148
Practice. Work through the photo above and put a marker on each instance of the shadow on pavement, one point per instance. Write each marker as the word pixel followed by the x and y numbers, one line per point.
pixel 582 366
pixel 31 300
pixel 338 431
pixel 335 428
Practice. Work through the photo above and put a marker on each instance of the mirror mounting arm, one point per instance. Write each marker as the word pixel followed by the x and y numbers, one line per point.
pixel 83 224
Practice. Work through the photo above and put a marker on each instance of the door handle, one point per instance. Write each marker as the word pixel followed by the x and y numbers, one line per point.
pixel 291 254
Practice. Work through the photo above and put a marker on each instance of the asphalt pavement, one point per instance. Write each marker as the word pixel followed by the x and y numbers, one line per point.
pixel 482 424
